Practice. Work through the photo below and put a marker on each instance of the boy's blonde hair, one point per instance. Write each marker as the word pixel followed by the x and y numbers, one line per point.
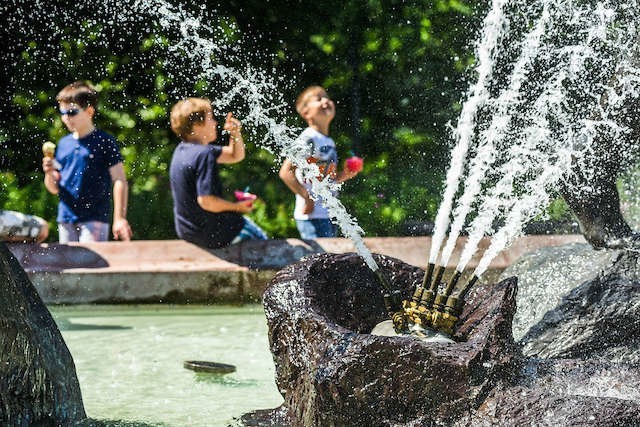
pixel 81 93
pixel 301 101
pixel 188 112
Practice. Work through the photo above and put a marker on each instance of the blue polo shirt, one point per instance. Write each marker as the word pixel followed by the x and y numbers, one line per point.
pixel 194 172
pixel 85 182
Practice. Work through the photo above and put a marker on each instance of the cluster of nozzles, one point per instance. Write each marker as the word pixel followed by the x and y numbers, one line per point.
pixel 429 311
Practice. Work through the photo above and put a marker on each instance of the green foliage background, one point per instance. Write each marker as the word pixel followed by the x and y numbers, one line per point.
pixel 397 70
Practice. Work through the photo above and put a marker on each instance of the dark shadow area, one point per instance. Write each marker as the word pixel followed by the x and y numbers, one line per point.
pixel 225 380
pixel 268 254
pixel 67 325
pixel 89 422
pixel 55 257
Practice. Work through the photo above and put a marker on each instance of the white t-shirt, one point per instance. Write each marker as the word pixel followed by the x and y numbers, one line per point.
pixel 322 151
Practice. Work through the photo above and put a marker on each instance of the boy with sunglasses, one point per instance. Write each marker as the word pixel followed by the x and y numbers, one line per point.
pixel 87 166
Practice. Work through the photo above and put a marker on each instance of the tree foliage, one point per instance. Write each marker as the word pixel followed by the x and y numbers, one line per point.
pixel 397 70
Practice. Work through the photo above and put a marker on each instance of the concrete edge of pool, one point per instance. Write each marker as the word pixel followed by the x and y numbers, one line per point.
pixel 174 271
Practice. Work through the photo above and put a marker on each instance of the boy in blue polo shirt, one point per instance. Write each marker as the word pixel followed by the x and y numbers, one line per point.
pixel 87 166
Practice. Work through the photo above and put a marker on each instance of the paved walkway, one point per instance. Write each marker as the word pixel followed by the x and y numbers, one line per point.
pixel 177 271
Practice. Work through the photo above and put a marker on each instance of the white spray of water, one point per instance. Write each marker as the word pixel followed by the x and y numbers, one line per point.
pixel 255 89
pixel 493 28
pixel 543 155
pixel 497 131
pixel 524 209
pixel 521 159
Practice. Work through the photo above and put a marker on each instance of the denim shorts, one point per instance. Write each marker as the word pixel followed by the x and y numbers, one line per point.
pixel 313 228
pixel 250 231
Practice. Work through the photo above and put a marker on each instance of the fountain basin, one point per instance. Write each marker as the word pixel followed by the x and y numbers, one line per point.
pixel 175 271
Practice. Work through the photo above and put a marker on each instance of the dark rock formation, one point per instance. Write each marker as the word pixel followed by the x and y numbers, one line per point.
pixel 598 319
pixel 564 393
pixel 38 383
pixel 332 372
pixel 592 194
pixel 548 274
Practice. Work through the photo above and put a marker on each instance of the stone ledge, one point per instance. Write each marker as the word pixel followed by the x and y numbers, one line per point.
pixel 176 271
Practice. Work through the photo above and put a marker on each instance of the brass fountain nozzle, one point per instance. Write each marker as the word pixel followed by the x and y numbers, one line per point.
pixel 448 308
pixel 426 299
pixel 391 296
pixel 437 279
pixel 417 310
pixel 426 281
pixel 414 312
pixel 467 287
pixel 446 314
pixel 452 283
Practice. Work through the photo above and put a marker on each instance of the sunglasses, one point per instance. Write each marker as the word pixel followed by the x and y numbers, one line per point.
pixel 70 112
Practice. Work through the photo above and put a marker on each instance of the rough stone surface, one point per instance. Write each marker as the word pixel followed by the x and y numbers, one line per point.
pixel 331 371
pixel 564 393
pixel 598 319
pixel 38 383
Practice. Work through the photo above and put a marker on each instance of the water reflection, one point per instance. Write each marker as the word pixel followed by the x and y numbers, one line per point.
pixel 225 380
pixel 129 361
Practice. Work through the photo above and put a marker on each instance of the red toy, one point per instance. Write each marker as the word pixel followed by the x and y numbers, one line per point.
pixel 355 163
pixel 244 195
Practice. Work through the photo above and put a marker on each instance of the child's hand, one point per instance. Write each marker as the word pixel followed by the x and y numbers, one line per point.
pixel 121 230
pixel 232 125
pixel 308 206
pixel 47 165
pixel 245 206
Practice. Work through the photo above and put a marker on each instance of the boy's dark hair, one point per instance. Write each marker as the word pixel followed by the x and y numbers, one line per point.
pixel 188 112
pixel 80 92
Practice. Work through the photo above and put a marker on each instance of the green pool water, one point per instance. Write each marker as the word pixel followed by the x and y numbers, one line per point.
pixel 129 361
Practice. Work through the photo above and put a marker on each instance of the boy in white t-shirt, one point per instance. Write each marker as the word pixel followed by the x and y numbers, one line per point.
pixel 318 110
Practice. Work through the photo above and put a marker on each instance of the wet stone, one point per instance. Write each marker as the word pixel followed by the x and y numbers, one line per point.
pixel 38 382
pixel 598 319
pixel 331 371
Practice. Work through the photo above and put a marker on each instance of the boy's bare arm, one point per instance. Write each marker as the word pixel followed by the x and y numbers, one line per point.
pixel 288 176
pixel 120 228
pixel 216 204
pixel 234 152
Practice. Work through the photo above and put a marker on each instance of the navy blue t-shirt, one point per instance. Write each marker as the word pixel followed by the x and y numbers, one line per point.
pixel 194 172
pixel 85 181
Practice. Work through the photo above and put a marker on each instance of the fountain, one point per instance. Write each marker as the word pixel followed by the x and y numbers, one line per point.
pixel 250 89
pixel 554 108
pixel 332 371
